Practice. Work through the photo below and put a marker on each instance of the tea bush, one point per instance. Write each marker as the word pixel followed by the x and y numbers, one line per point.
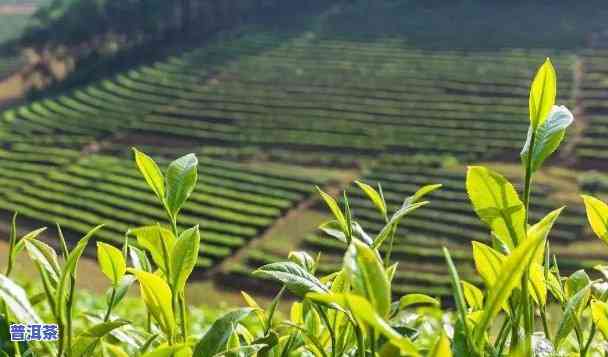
pixel 349 312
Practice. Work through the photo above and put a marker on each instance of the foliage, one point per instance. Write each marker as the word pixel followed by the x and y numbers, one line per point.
pixel 350 311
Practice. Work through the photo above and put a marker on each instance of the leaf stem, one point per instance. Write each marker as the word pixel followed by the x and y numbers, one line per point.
pixel 110 305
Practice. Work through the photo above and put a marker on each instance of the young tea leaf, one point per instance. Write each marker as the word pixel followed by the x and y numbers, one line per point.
pixel 111 261
pixel 548 136
pixel 367 276
pixel 297 280
pixel 181 179
pixel 597 215
pixel 542 94
pixel 158 299
pixel 496 203
pixel 86 342
pixel 511 272
pixel 17 301
pixel 151 173
pixel 183 257
pixel 374 196
pixel 216 338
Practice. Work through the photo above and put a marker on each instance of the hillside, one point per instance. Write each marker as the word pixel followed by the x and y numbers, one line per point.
pixel 272 114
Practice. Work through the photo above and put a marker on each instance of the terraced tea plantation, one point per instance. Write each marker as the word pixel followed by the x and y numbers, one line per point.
pixel 304 99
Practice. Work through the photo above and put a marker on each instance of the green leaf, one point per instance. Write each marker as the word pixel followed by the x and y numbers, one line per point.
pixel 180 350
pixel 114 350
pixel 303 259
pixel 374 196
pixel 44 256
pixel 158 299
pixel 151 173
pixel 441 348
pixel 69 271
pixel 17 301
pixel 496 203
pixel 111 261
pixel 473 296
pixel 367 276
pixel 576 282
pixel 511 272
pixel 488 262
pixel 183 257
pixel 242 351
pixel 407 207
pixel 216 338
pixel 121 289
pixel 181 180
pixel 139 259
pixel 461 323
pixel 599 312
pixel 157 240
pixel 538 283
pixel 366 315
pixel 571 314
pixel 335 210
pixel 86 342
pixel 417 299
pixel 297 280
pixel 542 94
pixel 597 215
pixel 548 136
pixel 423 191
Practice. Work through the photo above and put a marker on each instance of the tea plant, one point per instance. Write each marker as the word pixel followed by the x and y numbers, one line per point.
pixel 349 312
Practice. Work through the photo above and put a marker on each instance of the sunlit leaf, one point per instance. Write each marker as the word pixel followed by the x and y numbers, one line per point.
pixel 158 299
pixel 367 276
pixel 181 180
pixel 542 93
pixel 151 173
pixel 496 203
pixel 111 262
pixel 597 215
pixel 184 256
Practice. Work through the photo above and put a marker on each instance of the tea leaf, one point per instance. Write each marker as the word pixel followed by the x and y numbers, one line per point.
pixel 365 314
pixel 297 280
pixel 571 314
pixel 157 240
pixel 488 262
pixel 473 296
pixel 496 203
pixel 86 342
pixel 416 299
pixel 335 210
pixel 374 196
pixel 597 215
pixel 183 257
pixel 45 257
pixel 111 261
pixel 158 299
pixel 303 259
pixel 599 312
pixel 542 93
pixel 180 350
pixel 151 173
pixel 69 270
pixel 17 301
pixel 441 348
pixel 216 338
pixel 367 276
pixel 181 180
pixel 549 135
pixel 511 272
